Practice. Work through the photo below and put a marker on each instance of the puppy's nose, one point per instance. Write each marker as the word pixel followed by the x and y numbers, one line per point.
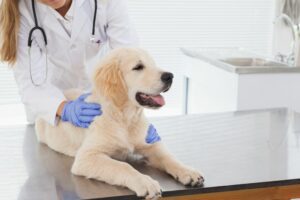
pixel 167 77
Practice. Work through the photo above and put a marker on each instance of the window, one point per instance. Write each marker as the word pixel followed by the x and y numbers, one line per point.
pixel 12 111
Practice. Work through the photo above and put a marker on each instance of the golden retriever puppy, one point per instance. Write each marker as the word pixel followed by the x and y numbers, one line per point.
pixel 124 83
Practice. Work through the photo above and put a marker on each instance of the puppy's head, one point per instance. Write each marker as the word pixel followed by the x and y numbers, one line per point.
pixel 130 74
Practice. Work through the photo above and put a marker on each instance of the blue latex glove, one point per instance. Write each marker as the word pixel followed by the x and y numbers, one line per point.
pixel 79 112
pixel 152 135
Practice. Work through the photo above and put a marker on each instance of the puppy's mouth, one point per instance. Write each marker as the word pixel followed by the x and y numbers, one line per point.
pixel 149 100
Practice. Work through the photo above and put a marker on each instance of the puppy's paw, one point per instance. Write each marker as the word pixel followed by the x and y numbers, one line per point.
pixel 147 188
pixel 189 177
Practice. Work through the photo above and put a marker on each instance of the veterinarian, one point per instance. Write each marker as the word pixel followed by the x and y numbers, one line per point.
pixel 61 58
pixel 54 44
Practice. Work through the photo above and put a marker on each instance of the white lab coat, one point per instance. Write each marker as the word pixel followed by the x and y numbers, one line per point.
pixel 70 59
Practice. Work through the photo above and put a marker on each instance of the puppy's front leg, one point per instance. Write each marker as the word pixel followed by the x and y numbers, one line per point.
pixel 92 164
pixel 159 157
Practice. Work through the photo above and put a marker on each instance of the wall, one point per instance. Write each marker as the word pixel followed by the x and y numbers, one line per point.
pixel 164 26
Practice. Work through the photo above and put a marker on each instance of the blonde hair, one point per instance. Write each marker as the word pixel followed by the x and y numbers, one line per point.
pixel 9 27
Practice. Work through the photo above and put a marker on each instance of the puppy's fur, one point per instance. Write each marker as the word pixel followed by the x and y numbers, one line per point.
pixel 121 129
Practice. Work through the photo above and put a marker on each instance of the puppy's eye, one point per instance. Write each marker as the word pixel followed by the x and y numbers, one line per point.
pixel 139 67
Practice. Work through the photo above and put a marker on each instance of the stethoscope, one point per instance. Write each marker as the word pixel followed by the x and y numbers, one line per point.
pixel 38 28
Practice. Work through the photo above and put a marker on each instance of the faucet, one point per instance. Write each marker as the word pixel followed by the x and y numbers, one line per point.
pixel 290 58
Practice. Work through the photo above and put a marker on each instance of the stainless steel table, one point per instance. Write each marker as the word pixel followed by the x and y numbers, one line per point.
pixel 241 150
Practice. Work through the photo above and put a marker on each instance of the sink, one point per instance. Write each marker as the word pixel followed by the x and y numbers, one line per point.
pixel 239 61
pixel 254 62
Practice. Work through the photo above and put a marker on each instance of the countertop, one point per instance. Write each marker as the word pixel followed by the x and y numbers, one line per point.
pixel 236 150
pixel 214 55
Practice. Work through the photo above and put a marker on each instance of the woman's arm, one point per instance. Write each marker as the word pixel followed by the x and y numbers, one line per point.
pixel 120 31
pixel 60 108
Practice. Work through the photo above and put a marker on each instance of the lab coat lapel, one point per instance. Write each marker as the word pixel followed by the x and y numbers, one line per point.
pixel 80 18
pixel 52 23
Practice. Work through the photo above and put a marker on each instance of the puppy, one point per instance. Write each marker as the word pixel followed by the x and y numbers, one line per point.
pixel 125 82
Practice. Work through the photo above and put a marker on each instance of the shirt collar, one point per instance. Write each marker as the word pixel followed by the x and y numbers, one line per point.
pixel 69 15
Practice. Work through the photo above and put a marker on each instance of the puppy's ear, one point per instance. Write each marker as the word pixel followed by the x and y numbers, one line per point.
pixel 109 82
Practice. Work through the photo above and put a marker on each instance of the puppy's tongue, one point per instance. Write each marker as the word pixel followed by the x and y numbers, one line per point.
pixel 158 99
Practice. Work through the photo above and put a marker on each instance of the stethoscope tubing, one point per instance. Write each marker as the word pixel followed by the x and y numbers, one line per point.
pixel 38 28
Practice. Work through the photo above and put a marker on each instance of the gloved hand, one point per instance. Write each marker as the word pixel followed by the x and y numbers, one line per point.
pixel 79 112
pixel 152 135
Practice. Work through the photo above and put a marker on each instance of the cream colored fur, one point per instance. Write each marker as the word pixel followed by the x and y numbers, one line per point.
pixel 121 130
